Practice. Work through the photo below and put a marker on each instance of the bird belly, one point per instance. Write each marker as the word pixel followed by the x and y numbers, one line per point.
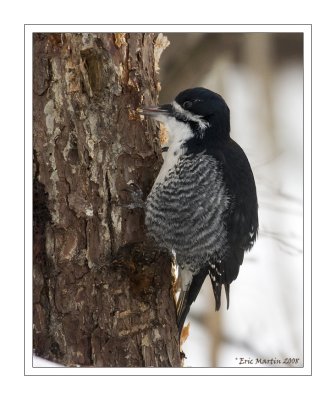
pixel 186 212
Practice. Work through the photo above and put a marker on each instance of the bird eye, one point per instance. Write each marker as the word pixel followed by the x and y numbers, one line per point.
pixel 187 104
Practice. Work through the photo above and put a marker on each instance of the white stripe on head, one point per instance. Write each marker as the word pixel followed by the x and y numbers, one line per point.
pixel 189 116
pixel 179 132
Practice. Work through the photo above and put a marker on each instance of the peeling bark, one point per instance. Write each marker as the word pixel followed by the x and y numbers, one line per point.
pixel 102 294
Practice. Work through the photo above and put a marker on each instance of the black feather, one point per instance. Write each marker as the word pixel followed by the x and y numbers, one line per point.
pixel 190 297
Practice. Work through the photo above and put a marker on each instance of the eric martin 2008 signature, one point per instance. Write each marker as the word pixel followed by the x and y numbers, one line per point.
pixel 289 361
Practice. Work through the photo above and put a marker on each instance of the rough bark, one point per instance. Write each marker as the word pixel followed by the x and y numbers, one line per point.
pixel 102 294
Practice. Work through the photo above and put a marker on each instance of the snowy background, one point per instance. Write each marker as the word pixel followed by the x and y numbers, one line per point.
pixel 261 78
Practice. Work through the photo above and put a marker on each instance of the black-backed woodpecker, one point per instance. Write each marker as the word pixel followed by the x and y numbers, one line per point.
pixel 203 205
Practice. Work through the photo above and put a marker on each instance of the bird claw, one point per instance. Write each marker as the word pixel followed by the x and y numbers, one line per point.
pixel 136 194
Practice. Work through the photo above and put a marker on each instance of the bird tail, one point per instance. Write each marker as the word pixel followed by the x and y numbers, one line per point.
pixel 188 296
pixel 217 290
pixel 227 293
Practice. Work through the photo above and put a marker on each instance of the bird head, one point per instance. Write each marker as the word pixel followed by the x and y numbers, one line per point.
pixel 196 113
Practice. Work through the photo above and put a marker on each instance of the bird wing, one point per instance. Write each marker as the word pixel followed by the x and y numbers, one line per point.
pixel 241 220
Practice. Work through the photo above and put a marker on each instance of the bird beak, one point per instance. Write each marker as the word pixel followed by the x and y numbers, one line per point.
pixel 157 112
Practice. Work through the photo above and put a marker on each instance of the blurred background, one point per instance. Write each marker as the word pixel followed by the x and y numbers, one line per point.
pixel 260 75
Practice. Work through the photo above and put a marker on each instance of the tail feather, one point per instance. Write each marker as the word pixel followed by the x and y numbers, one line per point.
pixel 227 293
pixel 188 296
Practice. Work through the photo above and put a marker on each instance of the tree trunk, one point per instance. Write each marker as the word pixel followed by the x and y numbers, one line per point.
pixel 102 294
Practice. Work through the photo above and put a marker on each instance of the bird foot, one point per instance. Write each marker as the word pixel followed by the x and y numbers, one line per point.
pixel 136 195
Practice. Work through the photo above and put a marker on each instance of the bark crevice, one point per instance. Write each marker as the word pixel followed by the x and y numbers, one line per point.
pixel 102 294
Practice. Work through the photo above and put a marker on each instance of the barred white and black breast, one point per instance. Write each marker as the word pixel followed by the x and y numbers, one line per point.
pixel 185 211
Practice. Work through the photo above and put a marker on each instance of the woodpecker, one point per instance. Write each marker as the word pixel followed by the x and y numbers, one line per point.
pixel 203 205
